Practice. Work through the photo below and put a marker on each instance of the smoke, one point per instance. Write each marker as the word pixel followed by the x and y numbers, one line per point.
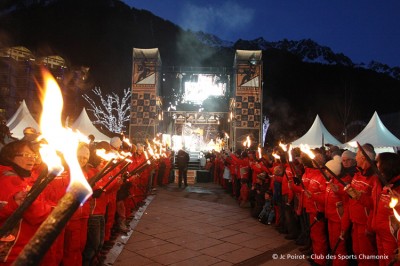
pixel 222 20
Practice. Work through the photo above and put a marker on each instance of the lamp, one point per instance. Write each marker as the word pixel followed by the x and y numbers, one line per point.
pixel 253 60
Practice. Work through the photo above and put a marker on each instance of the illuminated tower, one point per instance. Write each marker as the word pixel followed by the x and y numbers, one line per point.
pixel 145 105
pixel 246 105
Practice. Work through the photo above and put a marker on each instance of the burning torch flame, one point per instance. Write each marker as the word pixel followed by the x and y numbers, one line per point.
pixel 60 138
pixel 306 149
pixel 276 156
pixel 259 153
pixel 290 153
pixel 392 204
pixel 105 156
pixel 283 146
pixel 51 158
pixel 126 140
pixel 247 142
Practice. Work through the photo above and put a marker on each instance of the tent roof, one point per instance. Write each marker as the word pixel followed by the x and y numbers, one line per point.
pixel 376 134
pixel 86 127
pixel 317 136
pixel 21 119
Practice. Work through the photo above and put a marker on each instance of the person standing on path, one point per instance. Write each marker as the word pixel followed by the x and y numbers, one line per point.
pixel 182 161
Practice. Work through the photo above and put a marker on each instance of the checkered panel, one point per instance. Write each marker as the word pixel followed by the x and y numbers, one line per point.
pixel 247 111
pixel 143 108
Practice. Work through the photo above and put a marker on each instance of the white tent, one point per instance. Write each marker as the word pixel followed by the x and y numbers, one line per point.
pixel 376 134
pixel 21 120
pixel 86 127
pixel 317 136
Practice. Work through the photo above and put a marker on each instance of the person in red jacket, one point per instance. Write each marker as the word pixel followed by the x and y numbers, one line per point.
pixel 360 206
pixel 299 186
pixel 315 192
pixel 16 162
pixel 335 199
pixel 384 223
pixel 76 229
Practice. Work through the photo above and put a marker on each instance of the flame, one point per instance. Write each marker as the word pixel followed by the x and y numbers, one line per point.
pixel 283 146
pixel 147 157
pixel 127 141
pixel 51 158
pixel 247 142
pixel 306 149
pixel 290 153
pixel 259 153
pixel 105 156
pixel 62 139
pixel 276 156
pixel 392 204
pixel 126 154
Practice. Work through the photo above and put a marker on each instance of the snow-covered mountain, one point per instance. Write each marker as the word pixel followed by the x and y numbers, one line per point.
pixel 307 50
pixel 212 40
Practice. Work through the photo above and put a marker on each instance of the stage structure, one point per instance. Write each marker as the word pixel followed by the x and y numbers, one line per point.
pixel 146 110
pixel 196 106
pixel 246 105
pixel 199 108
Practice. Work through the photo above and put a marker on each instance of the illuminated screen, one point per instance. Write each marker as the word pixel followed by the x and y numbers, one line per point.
pixel 200 86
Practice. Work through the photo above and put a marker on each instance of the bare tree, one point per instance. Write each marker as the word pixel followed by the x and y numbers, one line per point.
pixel 113 111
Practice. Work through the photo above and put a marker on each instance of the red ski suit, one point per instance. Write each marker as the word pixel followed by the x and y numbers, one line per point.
pixel 384 222
pixel 23 231
pixel 335 202
pixel 317 187
pixel 359 212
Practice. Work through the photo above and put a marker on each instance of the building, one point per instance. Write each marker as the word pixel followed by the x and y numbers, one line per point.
pixel 20 74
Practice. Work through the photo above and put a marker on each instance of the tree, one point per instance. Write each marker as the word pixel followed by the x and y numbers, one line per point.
pixel 113 111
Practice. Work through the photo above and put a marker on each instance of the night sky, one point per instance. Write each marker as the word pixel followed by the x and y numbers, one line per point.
pixel 363 30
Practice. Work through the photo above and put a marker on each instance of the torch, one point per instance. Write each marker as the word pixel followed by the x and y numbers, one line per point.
pixel 394 199
pixel 373 166
pixel 247 143
pixel 292 168
pixel 276 156
pixel 78 191
pixel 98 192
pixel 105 171
pixel 306 150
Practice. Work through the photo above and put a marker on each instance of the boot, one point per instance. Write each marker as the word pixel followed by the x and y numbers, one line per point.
pixel 122 225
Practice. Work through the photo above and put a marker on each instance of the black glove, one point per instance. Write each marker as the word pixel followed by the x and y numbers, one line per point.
pixel 97 193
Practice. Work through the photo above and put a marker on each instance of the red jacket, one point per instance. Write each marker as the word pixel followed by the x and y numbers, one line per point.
pixel 382 215
pixel 10 184
pixel 98 205
pixel 335 201
pixel 308 173
pixel 56 189
pixel 317 187
pixel 257 168
pixel 383 221
pixel 243 165
pixel 359 210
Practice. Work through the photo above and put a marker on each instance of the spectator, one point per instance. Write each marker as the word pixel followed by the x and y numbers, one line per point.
pixel 30 134
pixel 182 161
pixel 267 214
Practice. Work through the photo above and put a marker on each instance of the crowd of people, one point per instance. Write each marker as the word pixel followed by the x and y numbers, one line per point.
pixel 339 206
pixel 335 206
pixel 92 230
